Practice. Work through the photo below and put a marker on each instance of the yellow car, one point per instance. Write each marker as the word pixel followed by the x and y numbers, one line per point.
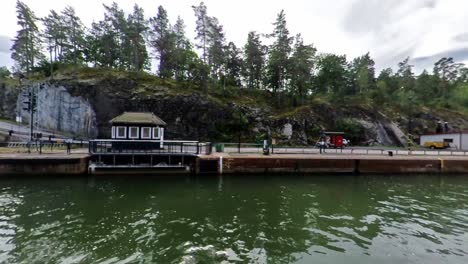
pixel 436 144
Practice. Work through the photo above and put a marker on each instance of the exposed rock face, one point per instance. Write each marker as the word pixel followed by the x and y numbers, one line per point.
pixel 8 95
pixel 57 110
pixel 83 107
pixel 288 131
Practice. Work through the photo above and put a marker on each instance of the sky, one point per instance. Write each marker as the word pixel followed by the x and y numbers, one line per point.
pixel 391 30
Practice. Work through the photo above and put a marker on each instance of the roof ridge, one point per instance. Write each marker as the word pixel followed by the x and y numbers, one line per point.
pixel 138 117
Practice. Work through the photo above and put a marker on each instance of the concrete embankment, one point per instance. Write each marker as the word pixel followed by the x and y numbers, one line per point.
pixel 77 164
pixel 363 164
pixel 56 164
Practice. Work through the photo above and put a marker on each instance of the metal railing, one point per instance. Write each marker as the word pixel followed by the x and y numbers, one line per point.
pixel 149 147
pixel 248 148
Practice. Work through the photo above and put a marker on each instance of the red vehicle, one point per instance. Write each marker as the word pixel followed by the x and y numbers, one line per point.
pixel 336 139
pixel 333 140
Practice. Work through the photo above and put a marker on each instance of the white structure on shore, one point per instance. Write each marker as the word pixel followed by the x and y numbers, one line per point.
pixel 457 140
pixel 138 126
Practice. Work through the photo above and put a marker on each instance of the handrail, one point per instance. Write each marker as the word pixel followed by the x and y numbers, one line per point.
pixel 258 148
pixel 140 140
pixel 149 147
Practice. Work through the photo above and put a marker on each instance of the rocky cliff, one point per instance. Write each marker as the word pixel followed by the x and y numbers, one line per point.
pixel 8 96
pixel 58 110
pixel 82 105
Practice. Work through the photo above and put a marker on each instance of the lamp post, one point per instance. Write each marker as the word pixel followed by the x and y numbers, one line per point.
pixel 240 131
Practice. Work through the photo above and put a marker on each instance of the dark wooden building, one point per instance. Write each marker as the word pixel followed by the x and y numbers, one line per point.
pixel 138 126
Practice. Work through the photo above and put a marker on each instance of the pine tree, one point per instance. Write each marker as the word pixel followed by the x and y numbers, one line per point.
pixel 233 65
pixel 26 49
pixel 279 52
pixel 426 86
pixel 362 70
pixel 183 52
pixel 331 75
pixel 74 31
pixel 163 42
pixel 117 29
pixel 202 29
pixel 91 49
pixel 54 36
pixel 216 48
pixel 300 69
pixel 102 47
pixel 135 45
pixel 406 75
pixel 447 71
pixel 254 60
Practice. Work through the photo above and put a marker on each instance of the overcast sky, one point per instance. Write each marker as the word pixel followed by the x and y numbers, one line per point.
pixel 390 30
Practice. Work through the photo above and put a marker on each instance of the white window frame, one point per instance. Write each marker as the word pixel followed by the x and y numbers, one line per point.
pixel 137 132
pixel 113 131
pixel 149 132
pixel 117 135
pixel 159 133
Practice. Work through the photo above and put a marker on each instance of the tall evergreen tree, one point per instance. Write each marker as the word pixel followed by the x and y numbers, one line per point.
pixel 233 65
pixel 386 86
pixel 26 49
pixel 74 31
pixel 202 29
pixel 184 56
pixel 447 71
pixel 426 86
pixel 163 42
pixel 217 48
pixel 54 36
pixel 211 40
pixel 102 48
pixel 92 49
pixel 117 29
pixel 363 75
pixel 300 69
pixel 279 52
pixel 135 42
pixel 254 60
pixel 405 75
pixel 331 75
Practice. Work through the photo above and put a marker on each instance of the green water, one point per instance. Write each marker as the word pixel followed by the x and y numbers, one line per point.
pixel 255 219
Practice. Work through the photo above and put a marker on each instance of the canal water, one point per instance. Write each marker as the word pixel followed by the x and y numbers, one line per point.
pixel 254 219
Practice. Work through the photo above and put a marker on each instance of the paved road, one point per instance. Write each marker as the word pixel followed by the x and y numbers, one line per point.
pixel 22 131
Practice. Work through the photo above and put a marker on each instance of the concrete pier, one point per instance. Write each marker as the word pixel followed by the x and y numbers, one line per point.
pixel 45 164
pixel 358 164
pixel 221 163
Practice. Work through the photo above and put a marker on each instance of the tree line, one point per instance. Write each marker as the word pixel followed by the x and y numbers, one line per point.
pixel 289 68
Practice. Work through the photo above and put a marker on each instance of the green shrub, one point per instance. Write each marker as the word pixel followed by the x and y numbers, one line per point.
pixel 4 72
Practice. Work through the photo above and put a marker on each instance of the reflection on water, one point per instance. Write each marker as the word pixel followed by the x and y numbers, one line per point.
pixel 415 219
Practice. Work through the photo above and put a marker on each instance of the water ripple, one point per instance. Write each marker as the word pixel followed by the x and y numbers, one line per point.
pixel 254 220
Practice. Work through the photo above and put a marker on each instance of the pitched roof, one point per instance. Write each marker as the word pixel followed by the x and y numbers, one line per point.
pixel 143 118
